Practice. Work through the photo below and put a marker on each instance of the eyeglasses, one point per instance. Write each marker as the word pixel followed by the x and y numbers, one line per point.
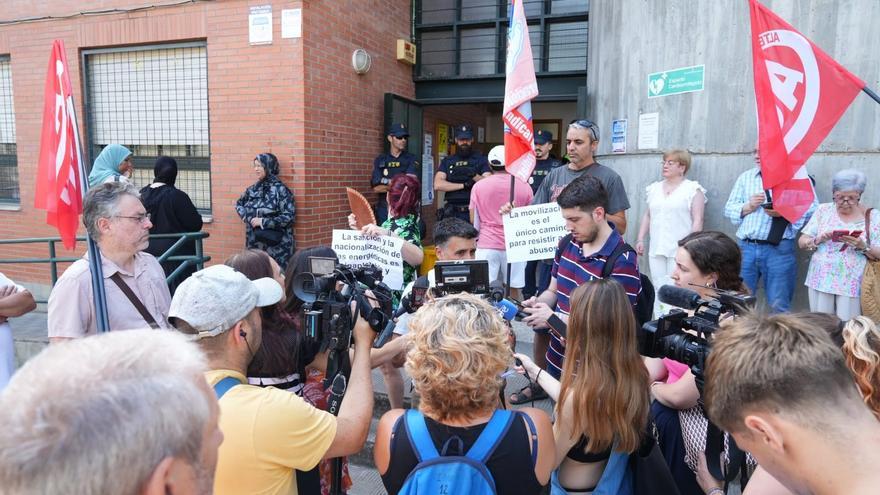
pixel 138 218
pixel 586 124
pixel 669 162
pixel 402 138
pixel 847 199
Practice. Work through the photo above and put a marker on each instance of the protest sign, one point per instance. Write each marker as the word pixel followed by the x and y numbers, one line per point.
pixel 532 232
pixel 355 249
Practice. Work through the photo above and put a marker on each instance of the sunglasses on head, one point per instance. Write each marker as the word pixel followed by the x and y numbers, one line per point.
pixel 586 124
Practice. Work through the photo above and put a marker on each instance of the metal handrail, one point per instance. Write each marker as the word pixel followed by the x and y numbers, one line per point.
pixel 188 260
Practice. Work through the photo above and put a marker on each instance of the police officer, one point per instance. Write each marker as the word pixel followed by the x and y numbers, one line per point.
pixel 544 164
pixel 545 160
pixel 459 172
pixel 387 165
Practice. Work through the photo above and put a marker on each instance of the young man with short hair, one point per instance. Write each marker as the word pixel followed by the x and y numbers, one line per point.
pixel 782 389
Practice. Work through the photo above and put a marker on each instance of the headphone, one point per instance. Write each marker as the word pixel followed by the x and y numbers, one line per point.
pixel 242 333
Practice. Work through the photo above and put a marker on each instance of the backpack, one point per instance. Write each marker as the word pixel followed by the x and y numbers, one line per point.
pixel 444 474
pixel 644 308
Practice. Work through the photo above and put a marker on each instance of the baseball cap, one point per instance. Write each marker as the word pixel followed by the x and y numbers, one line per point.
pixel 213 300
pixel 398 130
pixel 464 131
pixel 496 156
pixel 543 137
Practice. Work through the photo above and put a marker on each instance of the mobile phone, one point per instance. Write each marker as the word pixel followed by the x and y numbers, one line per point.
pixel 557 326
pixel 836 235
pixel 767 206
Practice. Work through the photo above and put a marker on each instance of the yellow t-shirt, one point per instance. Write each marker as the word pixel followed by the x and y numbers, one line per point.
pixel 267 433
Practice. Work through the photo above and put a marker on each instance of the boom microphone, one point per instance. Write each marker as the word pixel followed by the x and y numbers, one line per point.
pixel 409 304
pixel 679 297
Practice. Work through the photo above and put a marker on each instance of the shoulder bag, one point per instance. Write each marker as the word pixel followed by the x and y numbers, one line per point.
pixel 870 293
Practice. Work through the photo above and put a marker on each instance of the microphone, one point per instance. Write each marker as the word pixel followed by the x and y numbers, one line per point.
pixel 409 304
pixel 679 297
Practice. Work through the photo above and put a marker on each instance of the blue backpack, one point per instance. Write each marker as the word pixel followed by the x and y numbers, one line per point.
pixel 442 474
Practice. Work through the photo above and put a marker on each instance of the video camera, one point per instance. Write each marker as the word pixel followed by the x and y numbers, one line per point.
pixel 328 290
pixel 668 337
pixel 472 276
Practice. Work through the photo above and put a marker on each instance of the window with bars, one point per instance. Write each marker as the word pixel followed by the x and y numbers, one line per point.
pixel 154 101
pixel 9 193
pixel 466 38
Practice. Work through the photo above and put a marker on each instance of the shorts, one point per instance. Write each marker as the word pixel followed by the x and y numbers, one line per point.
pixel 497 259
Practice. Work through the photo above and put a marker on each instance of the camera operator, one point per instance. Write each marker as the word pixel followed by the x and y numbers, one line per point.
pixel 704 261
pixel 603 372
pixel 783 390
pixel 269 432
pixel 454 239
pixel 458 350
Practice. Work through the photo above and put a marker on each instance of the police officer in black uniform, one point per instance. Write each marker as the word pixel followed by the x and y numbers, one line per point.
pixel 458 173
pixel 544 164
pixel 387 165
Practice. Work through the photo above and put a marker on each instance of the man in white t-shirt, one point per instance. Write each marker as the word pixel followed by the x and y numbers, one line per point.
pixel 15 300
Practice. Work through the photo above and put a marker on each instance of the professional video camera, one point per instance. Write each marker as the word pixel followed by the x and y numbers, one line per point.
pixel 472 276
pixel 668 337
pixel 328 290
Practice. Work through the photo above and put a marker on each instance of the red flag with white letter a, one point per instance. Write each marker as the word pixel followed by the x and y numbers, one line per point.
pixel 59 174
pixel 520 87
pixel 801 93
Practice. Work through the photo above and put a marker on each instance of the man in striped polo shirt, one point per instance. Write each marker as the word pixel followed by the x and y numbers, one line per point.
pixel 581 259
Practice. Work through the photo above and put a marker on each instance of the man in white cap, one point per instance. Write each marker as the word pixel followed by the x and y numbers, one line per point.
pixel 269 432
pixel 487 197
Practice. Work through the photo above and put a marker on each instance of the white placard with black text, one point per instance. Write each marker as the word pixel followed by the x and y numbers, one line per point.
pixel 355 249
pixel 533 232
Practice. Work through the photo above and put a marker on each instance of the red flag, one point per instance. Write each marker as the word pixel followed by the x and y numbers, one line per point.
pixel 801 93
pixel 60 171
pixel 520 86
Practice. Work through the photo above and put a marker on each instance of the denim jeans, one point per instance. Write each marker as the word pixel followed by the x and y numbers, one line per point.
pixel 776 266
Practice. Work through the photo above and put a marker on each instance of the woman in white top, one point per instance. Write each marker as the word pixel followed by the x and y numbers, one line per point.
pixel 675 209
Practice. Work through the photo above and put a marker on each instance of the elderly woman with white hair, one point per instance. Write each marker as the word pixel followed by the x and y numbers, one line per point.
pixel 837 234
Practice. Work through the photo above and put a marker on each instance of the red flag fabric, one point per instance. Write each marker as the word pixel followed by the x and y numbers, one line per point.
pixel 59 173
pixel 520 86
pixel 800 93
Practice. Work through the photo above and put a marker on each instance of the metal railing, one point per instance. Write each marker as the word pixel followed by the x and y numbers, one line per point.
pixel 198 259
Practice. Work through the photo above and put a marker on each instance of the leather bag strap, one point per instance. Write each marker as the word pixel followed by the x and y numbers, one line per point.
pixel 117 278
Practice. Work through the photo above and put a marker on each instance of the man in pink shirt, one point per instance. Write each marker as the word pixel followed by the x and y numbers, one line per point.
pixel 487 197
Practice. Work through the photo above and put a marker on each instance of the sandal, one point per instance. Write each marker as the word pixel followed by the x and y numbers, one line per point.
pixel 535 392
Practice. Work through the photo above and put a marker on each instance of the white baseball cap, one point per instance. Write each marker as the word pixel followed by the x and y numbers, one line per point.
pixel 213 300
pixel 496 156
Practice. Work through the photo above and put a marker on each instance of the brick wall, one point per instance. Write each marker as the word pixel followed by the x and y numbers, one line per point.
pixel 298 98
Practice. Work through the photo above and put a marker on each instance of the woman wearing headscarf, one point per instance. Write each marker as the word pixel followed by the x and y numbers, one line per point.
pixel 171 211
pixel 267 210
pixel 112 165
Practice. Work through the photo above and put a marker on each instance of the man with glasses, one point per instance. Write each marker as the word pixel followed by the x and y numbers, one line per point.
pixel 387 165
pixel 581 142
pixel 765 238
pixel 137 295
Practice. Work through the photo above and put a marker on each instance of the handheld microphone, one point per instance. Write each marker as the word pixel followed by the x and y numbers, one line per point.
pixel 679 297
pixel 409 304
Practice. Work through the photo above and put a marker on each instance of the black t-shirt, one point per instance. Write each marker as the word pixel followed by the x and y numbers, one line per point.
pixel 386 166
pixel 510 464
pixel 459 170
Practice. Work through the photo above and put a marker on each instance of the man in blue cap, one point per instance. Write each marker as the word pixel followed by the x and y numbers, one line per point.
pixel 544 164
pixel 458 173
pixel 387 165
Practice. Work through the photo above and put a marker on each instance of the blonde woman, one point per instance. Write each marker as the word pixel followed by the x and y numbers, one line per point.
pixel 675 209
pixel 603 401
pixel 458 351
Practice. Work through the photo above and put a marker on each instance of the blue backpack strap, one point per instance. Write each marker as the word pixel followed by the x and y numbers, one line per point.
pixel 419 437
pixel 491 436
pixel 533 434
pixel 223 386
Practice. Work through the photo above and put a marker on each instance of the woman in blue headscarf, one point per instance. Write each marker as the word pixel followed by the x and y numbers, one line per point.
pixel 267 210
pixel 112 165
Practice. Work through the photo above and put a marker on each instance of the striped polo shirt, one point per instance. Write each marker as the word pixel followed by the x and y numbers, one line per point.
pixel 572 268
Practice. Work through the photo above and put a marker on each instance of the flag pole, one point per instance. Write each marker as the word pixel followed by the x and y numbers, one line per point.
pixel 872 94
pixel 507 285
pixel 99 293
